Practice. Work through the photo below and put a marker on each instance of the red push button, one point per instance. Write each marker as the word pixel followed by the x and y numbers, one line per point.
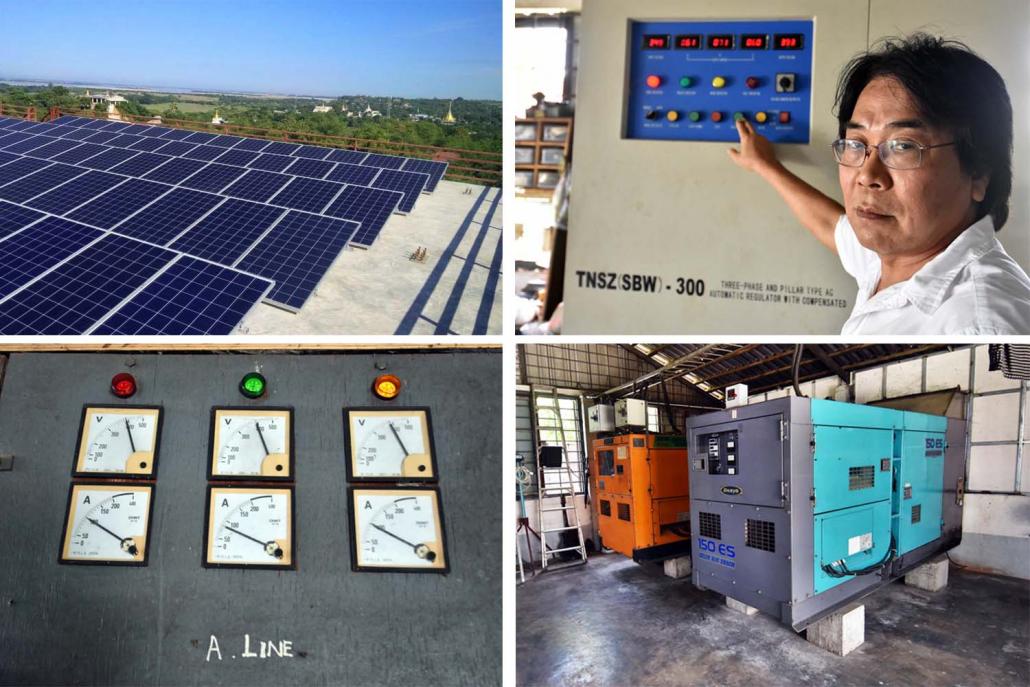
pixel 654 81
pixel 717 116
pixel 752 82
pixel 784 118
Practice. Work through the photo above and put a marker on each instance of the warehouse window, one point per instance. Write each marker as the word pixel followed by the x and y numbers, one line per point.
pixel 545 421
pixel 654 420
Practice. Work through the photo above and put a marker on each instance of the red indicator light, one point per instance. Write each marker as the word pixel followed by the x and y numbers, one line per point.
pixel 123 385
pixel 717 116
pixel 752 82
pixel 386 387
pixel 784 118
pixel 654 81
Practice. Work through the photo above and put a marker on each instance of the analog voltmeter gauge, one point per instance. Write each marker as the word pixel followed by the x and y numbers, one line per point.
pixel 107 524
pixel 251 443
pixel 119 440
pixel 249 527
pixel 389 445
pixel 397 529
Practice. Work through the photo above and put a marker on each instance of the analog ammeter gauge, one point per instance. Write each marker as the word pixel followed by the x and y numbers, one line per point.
pixel 394 444
pixel 397 529
pixel 249 527
pixel 251 443
pixel 118 440
pixel 107 524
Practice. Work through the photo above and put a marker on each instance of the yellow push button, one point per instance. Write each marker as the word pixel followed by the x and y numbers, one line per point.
pixel 719 82
pixel 761 117
pixel 672 115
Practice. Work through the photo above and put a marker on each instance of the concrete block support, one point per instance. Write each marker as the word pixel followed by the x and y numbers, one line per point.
pixel 679 567
pixel 841 632
pixel 740 606
pixel 931 576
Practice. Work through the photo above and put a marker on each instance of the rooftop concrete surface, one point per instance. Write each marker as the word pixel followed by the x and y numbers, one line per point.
pixel 382 291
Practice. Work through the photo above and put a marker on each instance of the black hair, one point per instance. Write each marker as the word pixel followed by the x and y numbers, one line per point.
pixel 953 89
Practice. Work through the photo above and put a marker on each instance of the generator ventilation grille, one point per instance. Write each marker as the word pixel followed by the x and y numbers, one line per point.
pixel 760 534
pixel 861 477
pixel 710 525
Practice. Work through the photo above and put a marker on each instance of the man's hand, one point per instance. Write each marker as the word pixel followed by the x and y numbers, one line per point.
pixel 756 153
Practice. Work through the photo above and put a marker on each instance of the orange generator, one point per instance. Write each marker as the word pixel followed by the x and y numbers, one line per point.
pixel 642 494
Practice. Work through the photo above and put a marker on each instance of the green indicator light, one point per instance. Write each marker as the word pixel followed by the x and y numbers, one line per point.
pixel 737 116
pixel 252 385
pixel 695 116
pixel 686 82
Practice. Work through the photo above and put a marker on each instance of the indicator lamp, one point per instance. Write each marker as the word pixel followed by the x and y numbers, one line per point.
pixel 386 387
pixel 253 385
pixel 695 116
pixel 752 82
pixel 737 116
pixel 686 82
pixel 717 116
pixel 654 81
pixel 123 385
pixel 719 82
pixel 672 115
pixel 761 117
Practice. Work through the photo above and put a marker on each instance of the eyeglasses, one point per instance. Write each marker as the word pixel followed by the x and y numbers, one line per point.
pixel 898 153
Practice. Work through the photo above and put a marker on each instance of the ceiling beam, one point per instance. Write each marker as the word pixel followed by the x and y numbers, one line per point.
pixel 830 363
pixel 686 383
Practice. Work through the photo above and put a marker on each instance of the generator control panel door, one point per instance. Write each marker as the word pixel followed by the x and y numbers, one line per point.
pixel 691 80
pixel 739 462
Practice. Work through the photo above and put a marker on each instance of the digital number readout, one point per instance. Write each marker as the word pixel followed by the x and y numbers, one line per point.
pixel 754 41
pixel 654 42
pixel 788 41
pixel 689 42
pixel 720 42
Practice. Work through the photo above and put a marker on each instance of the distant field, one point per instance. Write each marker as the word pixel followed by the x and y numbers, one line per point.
pixel 158 108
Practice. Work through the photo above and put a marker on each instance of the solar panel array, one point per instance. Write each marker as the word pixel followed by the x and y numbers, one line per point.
pixel 115 228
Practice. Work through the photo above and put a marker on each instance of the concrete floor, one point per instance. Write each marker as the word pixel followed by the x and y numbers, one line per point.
pixel 380 291
pixel 614 622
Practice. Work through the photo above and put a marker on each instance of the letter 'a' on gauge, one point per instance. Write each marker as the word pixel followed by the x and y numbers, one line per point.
pixel 118 441
pixel 389 445
pixel 107 524
pixel 250 527
pixel 397 529
pixel 251 443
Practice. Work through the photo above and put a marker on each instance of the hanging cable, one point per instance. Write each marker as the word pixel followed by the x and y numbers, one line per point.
pixel 668 408
pixel 844 571
pixel 796 369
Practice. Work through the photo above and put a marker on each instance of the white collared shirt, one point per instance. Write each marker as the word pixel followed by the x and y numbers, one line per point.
pixel 971 287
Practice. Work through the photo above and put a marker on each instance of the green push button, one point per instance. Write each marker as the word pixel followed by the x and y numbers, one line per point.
pixel 737 116
pixel 686 82
pixel 694 116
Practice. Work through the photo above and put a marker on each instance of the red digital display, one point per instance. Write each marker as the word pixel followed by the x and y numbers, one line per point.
pixel 689 42
pixel 653 42
pixel 754 41
pixel 789 41
pixel 720 42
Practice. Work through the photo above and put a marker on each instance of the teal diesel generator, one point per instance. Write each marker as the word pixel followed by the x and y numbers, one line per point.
pixel 800 506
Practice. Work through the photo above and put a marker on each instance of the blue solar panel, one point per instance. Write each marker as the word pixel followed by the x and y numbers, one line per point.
pixel 213 178
pixel 72 297
pixel 408 183
pixel 257 185
pixel 271 163
pixel 140 165
pixel 206 153
pixel 118 203
pixel 224 141
pixel 55 148
pixel 78 134
pixel 138 129
pixel 21 125
pixel 369 206
pixel 164 219
pixel 384 161
pixel 236 157
pixel 310 195
pixel 174 147
pixel 27 144
pixel 11 137
pixel 84 151
pixel 96 124
pixel 200 137
pixel 176 134
pixel 76 192
pixel 14 217
pixel 251 144
pixel 102 137
pixel 297 253
pixel 114 127
pixel 314 152
pixel 19 168
pixel 39 182
pixel 148 144
pixel 353 174
pixel 63 130
pixel 351 157
pixel 8 157
pixel 154 131
pixel 226 234
pixel 31 252
pixel 120 141
pixel 175 170
pixel 281 148
pixel 433 168
pixel 41 128
pixel 305 167
pixel 109 158
pixel 65 119
pixel 189 297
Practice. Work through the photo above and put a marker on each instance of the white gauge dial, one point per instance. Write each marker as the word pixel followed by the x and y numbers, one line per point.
pixel 398 528
pixel 107 523
pixel 250 527
pixel 252 443
pixel 118 440
pixel 391 444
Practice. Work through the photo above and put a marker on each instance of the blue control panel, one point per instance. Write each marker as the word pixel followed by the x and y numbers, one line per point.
pixel 689 81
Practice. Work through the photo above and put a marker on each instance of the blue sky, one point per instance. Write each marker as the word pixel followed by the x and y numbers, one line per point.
pixel 413 48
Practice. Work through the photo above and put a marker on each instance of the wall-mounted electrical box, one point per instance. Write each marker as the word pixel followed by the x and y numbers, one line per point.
pixel 736 395
pixel 601 418
pixel 630 412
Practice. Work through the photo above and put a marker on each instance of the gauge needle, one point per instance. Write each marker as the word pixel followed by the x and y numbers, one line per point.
pixel 398 436
pixel 278 553
pixel 262 437
pixel 420 549
pixel 129 431
pixel 132 548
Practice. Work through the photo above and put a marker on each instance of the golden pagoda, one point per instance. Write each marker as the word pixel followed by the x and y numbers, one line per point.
pixel 449 117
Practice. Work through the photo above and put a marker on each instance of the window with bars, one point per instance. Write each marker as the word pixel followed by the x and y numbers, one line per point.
pixel 654 419
pixel 540 411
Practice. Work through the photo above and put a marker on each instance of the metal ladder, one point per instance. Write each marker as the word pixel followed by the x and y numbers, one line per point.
pixel 558 482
